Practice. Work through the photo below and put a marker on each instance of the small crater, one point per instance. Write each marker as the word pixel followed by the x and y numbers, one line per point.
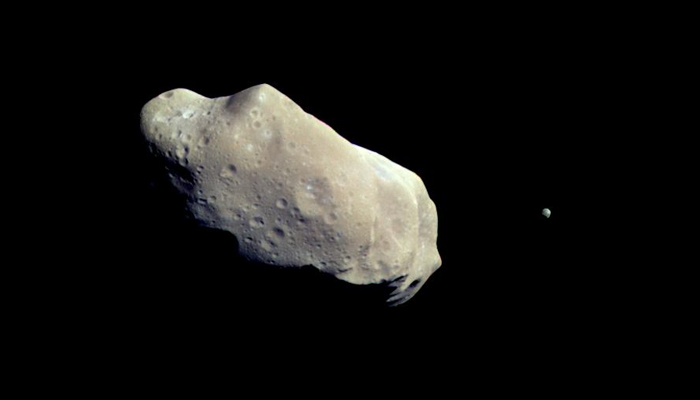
pixel 292 145
pixel 281 203
pixel 180 152
pixel 257 222
pixel 168 95
pixel 249 240
pixel 203 141
pixel 257 124
pixel 278 232
pixel 414 283
pixel 238 215
pixel 331 218
pixel 228 171
pixel 254 112
pixel 267 245
pixel 187 114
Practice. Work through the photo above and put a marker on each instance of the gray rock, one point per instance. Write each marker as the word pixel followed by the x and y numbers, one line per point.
pixel 292 190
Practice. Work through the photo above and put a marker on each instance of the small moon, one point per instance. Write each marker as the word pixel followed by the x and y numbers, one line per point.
pixel 546 212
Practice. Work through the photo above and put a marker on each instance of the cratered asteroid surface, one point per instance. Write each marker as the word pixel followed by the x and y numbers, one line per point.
pixel 292 190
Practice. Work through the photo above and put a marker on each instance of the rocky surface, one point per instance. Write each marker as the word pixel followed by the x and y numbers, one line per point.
pixel 292 190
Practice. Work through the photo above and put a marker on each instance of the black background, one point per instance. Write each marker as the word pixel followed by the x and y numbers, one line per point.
pixel 499 120
pixel 495 138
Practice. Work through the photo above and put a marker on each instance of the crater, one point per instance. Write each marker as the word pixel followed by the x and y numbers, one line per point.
pixel 314 197
pixel 267 245
pixel 228 171
pixel 278 233
pixel 257 222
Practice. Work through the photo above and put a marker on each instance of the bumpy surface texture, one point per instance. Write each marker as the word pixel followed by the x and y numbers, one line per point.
pixel 292 190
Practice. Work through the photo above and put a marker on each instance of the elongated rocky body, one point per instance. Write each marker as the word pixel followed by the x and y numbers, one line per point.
pixel 292 190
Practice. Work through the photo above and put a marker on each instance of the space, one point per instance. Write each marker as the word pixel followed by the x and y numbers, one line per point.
pixel 497 129
pixel 503 113
pixel 493 146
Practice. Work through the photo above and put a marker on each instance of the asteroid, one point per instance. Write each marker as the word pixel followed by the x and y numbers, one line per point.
pixel 292 191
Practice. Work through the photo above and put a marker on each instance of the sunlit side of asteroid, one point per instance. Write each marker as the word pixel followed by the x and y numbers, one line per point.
pixel 292 190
